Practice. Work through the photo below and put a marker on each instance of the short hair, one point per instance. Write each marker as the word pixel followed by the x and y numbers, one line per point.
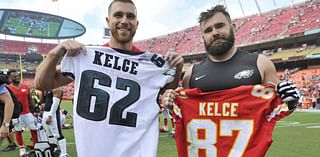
pixel 123 1
pixel 4 79
pixel 11 71
pixel 212 11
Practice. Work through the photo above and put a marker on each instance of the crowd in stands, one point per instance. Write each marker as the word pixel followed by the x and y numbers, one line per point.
pixel 21 47
pixel 255 28
pixel 250 29
pixel 308 81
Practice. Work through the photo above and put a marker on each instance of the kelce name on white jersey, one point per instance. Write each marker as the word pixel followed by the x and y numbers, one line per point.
pixel 111 61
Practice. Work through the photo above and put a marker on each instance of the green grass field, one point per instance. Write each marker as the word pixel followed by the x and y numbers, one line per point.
pixel 22 30
pixel 295 136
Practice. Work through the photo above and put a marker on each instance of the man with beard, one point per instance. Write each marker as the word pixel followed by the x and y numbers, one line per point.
pixel 116 88
pixel 226 66
pixel 22 92
pixel 227 70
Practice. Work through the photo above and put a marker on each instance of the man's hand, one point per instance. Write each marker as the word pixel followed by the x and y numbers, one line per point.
pixel 289 94
pixel 4 131
pixel 70 48
pixel 168 98
pixel 168 101
pixel 288 91
pixel 174 59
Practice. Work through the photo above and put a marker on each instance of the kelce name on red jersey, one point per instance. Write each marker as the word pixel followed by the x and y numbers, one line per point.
pixel 224 109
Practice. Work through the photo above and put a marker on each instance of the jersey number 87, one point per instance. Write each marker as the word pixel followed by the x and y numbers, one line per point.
pixel 210 129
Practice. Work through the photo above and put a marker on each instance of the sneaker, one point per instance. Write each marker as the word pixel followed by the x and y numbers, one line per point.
pixel 9 148
pixel 163 129
pixel 66 155
pixel 23 152
pixel 172 133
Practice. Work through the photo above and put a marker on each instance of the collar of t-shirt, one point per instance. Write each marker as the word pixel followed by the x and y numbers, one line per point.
pixel 133 49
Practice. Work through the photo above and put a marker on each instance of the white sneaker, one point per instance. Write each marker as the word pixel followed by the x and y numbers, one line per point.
pixel 23 152
pixel 65 155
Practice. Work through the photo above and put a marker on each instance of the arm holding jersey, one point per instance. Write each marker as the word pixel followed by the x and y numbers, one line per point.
pixel 175 60
pixel 289 94
pixel 48 75
pixel 286 90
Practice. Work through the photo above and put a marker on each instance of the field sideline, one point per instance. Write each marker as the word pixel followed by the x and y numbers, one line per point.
pixel 295 136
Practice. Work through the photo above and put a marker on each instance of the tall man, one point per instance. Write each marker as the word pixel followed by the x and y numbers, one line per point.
pixel 116 88
pixel 22 92
pixel 213 116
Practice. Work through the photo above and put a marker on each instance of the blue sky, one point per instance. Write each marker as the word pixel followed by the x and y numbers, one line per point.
pixel 156 17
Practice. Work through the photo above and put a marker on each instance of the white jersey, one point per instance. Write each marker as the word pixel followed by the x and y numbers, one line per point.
pixel 115 101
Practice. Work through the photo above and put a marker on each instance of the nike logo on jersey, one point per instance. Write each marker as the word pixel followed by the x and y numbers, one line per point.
pixel 200 77
pixel 243 74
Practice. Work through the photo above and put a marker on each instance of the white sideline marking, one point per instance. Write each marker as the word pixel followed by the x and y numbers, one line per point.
pixel 71 143
pixel 313 127
pixel 297 125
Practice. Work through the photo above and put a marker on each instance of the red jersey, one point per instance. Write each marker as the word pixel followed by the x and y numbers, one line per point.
pixel 22 94
pixel 228 123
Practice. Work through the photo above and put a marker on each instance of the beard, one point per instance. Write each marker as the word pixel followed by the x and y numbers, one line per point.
pixel 16 81
pixel 122 38
pixel 222 46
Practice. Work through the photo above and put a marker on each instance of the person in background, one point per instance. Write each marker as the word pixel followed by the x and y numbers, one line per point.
pixel 22 92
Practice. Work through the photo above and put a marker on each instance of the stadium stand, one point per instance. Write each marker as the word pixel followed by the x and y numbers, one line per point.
pixel 293 53
pixel 251 29
pixel 21 47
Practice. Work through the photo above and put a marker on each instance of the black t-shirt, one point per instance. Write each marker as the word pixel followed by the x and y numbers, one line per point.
pixel 241 69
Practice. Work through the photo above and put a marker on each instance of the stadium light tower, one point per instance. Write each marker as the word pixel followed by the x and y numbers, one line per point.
pixel 275 3
pixel 241 8
pixel 257 4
